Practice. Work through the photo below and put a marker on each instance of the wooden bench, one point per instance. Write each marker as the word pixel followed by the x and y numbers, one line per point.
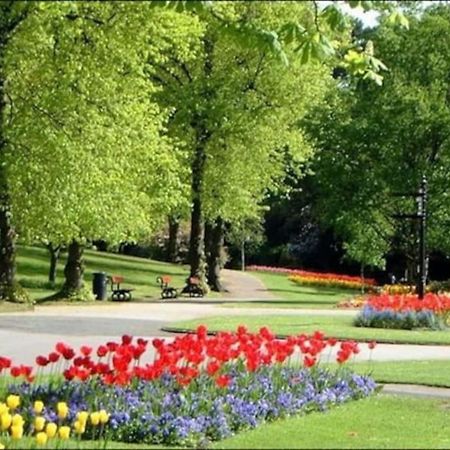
pixel 193 288
pixel 118 293
pixel 166 290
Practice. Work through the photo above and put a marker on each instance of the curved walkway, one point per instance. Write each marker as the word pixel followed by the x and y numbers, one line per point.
pixel 244 286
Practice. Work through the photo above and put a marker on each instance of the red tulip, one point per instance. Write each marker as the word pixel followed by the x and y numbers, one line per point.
pixel 372 345
pixel 102 351
pixel 126 339
pixel 41 361
pixel 309 361
pixel 85 350
pixel 5 363
pixel 223 381
pixel 53 357
pixel 212 367
pixel 68 353
pixel 15 371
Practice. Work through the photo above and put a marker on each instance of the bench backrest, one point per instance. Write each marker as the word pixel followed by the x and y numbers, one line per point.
pixel 194 280
pixel 117 279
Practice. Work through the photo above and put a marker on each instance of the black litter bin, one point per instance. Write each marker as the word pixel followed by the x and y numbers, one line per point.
pixel 99 285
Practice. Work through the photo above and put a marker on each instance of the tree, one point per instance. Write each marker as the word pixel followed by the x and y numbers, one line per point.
pixel 11 16
pixel 225 100
pixel 85 155
pixel 375 142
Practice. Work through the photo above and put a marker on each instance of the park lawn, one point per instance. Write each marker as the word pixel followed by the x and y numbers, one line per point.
pixel 139 273
pixel 333 326
pixel 424 372
pixel 291 295
pixel 383 421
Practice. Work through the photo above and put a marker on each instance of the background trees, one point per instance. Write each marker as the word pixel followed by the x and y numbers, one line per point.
pixel 373 142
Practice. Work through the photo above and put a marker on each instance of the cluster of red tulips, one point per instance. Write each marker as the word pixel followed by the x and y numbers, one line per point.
pixel 439 304
pixel 185 357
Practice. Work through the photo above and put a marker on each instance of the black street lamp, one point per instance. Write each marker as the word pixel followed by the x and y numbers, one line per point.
pixel 421 199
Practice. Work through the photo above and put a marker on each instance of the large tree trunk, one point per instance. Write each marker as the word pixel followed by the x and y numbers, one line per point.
pixel 73 271
pixel 214 251
pixel 7 255
pixel 196 244
pixel 172 244
pixel 54 256
pixel 7 234
pixel 202 135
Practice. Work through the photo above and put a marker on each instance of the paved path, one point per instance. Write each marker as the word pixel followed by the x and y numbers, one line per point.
pixel 244 286
pixel 25 335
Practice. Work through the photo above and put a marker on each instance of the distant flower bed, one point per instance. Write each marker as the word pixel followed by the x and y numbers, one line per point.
pixel 269 269
pixel 329 280
pixel 398 289
pixel 405 312
pixel 356 302
pixel 308 278
pixel 198 389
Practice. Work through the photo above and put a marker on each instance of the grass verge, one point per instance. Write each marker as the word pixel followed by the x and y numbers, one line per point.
pixel 139 273
pixel 424 372
pixel 291 295
pixel 333 326
pixel 373 423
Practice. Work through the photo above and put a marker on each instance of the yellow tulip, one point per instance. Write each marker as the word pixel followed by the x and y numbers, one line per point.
pixel 62 410
pixel 79 427
pixel 5 421
pixel 64 432
pixel 104 416
pixel 2 447
pixel 13 401
pixel 16 431
pixel 39 423
pixel 3 408
pixel 41 438
pixel 50 429
pixel 17 420
pixel 95 418
pixel 38 406
pixel 82 416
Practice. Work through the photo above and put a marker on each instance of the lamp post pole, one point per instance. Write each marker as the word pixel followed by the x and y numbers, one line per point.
pixel 422 213
pixel 421 199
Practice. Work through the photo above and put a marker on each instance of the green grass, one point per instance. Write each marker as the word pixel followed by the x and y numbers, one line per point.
pixel 139 273
pixel 335 326
pixel 384 421
pixel 381 422
pixel 425 372
pixel 7 307
pixel 292 295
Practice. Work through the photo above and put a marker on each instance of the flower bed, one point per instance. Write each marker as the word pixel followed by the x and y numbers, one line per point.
pixel 309 278
pixel 199 388
pixel 405 312
pixel 332 280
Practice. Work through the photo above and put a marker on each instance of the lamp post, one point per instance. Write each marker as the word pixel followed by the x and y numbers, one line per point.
pixel 421 199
